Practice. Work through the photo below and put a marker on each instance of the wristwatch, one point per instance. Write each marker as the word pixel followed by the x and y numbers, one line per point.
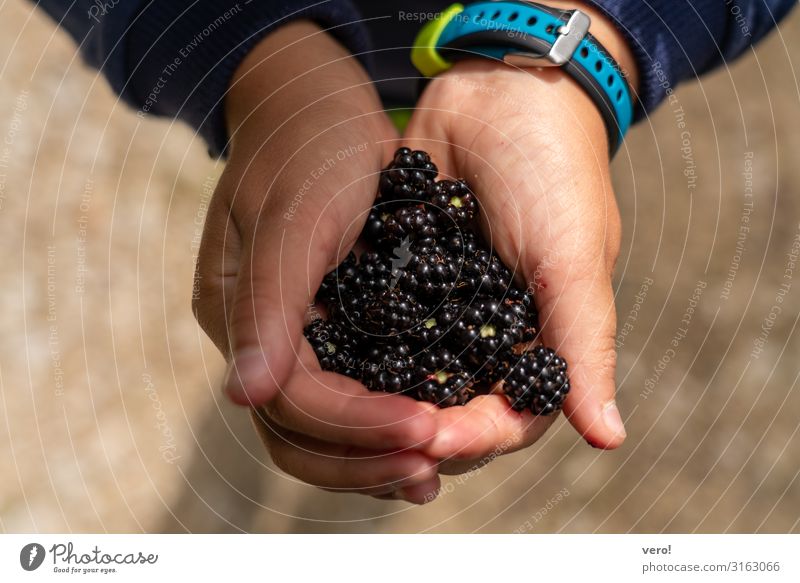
pixel 526 34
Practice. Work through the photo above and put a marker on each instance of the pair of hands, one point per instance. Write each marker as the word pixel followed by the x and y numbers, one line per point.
pixel 309 138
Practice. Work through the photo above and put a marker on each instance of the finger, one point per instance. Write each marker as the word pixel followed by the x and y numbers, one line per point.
pixel 295 227
pixel 215 273
pixel 485 428
pixel 342 468
pixel 576 304
pixel 421 493
pixel 338 409
pixel 416 494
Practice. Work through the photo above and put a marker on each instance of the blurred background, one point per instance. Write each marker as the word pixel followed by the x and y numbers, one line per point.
pixel 111 418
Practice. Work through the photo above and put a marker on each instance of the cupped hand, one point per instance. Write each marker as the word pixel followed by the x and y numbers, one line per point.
pixel 309 137
pixel 534 149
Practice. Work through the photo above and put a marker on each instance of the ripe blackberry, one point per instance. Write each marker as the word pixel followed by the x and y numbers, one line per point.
pixel 436 327
pixel 374 273
pixel 390 313
pixel 388 369
pixel 408 177
pixel 445 389
pixel 454 199
pixel 486 332
pixel 431 273
pixel 411 223
pixel 521 303
pixel 537 381
pixel 484 275
pixel 333 346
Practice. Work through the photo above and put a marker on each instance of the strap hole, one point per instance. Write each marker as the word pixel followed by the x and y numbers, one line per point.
pixel 532 21
pixel 619 95
pixel 610 80
pixel 513 17
pixel 584 52
pixel 598 66
pixel 496 15
pixel 480 16
pixel 550 28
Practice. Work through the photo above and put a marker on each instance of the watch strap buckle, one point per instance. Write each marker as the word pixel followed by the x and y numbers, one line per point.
pixel 570 35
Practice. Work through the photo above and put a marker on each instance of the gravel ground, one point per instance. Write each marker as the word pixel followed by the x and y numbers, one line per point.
pixel 111 418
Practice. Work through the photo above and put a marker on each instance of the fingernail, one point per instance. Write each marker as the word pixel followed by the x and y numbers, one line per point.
pixel 417 494
pixel 244 372
pixel 613 420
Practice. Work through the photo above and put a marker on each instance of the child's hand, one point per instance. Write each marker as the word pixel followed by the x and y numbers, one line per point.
pixel 308 144
pixel 534 148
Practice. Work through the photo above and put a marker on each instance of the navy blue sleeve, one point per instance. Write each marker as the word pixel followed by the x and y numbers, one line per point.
pixel 176 57
pixel 675 40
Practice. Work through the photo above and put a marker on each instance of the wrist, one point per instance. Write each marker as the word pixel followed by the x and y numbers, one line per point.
pixel 612 39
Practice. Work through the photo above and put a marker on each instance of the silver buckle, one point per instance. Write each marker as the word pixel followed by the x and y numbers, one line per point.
pixel 570 36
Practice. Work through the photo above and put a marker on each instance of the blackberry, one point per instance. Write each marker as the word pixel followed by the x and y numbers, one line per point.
pixel 408 224
pixel 391 313
pixel 537 381
pixel 445 389
pixel 521 303
pixel 374 273
pixel 454 199
pixel 487 331
pixel 408 177
pixel 484 275
pixel 388 369
pixel 435 360
pixel 436 327
pixel 430 273
pixel 333 347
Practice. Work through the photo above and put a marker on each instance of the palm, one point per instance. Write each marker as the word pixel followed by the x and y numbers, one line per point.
pixel 548 209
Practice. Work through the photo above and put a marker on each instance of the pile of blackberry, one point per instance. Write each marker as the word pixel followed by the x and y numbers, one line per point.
pixel 429 311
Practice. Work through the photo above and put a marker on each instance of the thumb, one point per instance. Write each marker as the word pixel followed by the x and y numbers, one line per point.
pixel 285 257
pixel 576 304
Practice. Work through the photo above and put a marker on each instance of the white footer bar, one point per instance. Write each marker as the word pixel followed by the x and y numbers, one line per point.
pixel 400 558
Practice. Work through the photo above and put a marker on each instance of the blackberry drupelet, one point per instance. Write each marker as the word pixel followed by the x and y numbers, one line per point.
pixel 340 283
pixel 537 381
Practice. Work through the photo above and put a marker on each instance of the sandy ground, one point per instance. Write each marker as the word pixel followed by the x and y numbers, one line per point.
pixel 111 418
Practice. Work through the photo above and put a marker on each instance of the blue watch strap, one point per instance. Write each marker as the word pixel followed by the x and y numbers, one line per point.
pixel 538 35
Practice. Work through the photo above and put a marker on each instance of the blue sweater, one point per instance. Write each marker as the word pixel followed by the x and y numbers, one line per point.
pixel 176 57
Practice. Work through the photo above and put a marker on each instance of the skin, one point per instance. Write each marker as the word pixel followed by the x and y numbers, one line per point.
pixel 528 139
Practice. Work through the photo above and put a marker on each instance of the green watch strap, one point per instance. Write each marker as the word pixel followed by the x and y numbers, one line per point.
pixel 424 55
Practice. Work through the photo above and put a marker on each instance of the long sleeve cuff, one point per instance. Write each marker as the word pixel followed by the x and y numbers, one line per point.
pixel 181 55
pixel 674 40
